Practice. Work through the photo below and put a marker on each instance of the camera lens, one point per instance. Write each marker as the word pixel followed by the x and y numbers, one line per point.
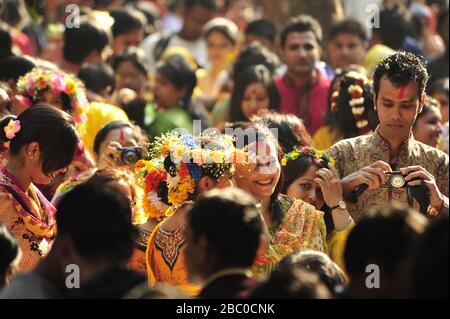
pixel 130 155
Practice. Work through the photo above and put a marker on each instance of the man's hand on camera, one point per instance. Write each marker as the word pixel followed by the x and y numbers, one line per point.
pixel 411 172
pixel 372 175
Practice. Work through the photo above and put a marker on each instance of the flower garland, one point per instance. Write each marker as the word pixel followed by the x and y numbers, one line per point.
pixel 176 163
pixel 306 151
pixel 34 83
pixel 356 91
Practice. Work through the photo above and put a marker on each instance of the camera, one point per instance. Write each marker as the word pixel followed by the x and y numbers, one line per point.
pixel 130 155
pixel 395 179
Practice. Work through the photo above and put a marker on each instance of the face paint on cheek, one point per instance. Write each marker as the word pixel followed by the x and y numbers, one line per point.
pixel 401 93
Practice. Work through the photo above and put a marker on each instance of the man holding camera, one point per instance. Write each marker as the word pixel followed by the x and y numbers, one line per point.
pixel 389 163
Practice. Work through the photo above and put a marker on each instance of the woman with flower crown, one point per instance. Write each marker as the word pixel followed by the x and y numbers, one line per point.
pixel 66 93
pixel 309 175
pixel 350 108
pixel 293 224
pixel 42 142
pixel 181 168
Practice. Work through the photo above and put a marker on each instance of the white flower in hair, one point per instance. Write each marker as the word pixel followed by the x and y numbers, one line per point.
pixel 358 110
pixel 357 101
pixel 362 123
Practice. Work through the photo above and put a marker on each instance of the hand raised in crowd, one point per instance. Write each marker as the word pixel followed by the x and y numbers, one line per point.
pixel 411 172
pixel 371 175
pixel 330 184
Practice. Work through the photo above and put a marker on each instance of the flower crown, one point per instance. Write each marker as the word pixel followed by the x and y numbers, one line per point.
pixel 356 90
pixel 306 151
pixel 176 163
pixel 35 82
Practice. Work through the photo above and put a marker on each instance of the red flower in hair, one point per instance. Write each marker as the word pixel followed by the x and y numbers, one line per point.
pixel 184 171
pixel 305 150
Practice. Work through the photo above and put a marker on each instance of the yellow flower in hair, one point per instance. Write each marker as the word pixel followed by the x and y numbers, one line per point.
pixel 71 86
pixel 319 154
pixel 283 162
pixel 332 161
pixel 216 156
pixel 294 155
pixel 149 166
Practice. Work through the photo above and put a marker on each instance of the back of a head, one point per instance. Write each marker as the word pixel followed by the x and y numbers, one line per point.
pixel 386 236
pixel 97 219
pixel 302 23
pixel 291 130
pixel 134 55
pixel 13 67
pixel 80 42
pixel 127 20
pixel 219 212
pixel 5 41
pixel 209 4
pixel 351 26
pixel 393 18
pixel 10 253
pixel 430 274
pixel 262 28
pixel 254 54
pixel 97 77
pixel 319 263
pixel 292 283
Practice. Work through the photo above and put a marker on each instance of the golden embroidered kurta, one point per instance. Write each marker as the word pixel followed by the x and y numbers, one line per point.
pixel 353 154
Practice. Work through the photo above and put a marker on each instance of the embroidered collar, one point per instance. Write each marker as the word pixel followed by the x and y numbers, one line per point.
pixel 42 227
pixel 405 148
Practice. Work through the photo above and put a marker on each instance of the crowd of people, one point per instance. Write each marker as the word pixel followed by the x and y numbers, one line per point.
pixel 194 149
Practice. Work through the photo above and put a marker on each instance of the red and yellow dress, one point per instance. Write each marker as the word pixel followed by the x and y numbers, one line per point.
pixel 29 216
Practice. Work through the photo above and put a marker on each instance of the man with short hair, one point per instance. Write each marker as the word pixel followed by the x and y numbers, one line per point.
pixel 347 43
pixel 399 95
pixel 380 252
pixel 304 87
pixel 88 43
pixel 90 254
pixel 223 237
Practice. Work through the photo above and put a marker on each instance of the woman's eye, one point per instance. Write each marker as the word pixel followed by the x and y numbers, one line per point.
pixel 305 186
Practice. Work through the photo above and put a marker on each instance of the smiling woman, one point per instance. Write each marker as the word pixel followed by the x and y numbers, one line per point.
pixel 293 225
pixel 42 144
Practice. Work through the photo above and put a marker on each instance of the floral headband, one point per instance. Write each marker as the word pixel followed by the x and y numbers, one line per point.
pixel 32 84
pixel 176 163
pixel 357 102
pixel 306 151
